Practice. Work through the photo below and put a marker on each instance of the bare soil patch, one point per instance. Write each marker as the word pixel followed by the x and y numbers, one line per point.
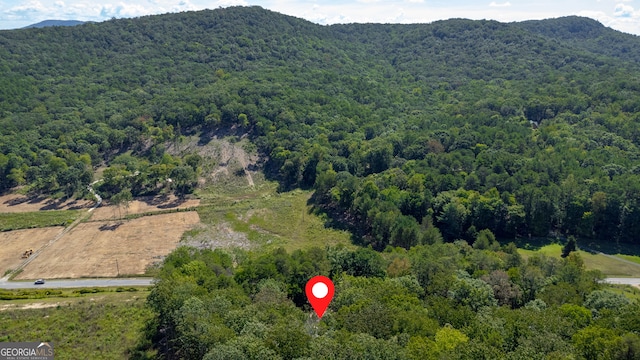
pixel 111 248
pixel 37 305
pixel 219 236
pixel 15 243
pixel 21 203
pixel 231 158
pixel 144 205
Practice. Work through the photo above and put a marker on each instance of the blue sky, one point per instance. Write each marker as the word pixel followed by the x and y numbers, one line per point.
pixel 623 15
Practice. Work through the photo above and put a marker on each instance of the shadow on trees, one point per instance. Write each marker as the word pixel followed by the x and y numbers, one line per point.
pixel 335 219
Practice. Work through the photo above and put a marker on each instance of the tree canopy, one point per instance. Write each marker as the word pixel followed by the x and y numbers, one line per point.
pixel 427 141
pixel 442 307
pixel 454 126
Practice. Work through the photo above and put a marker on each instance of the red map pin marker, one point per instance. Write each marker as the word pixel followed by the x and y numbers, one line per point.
pixel 320 293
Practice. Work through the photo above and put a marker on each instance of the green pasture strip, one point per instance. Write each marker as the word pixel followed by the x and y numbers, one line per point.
pixel 37 219
pixel 272 219
pixel 633 258
pixel 107 325
pixel 610 266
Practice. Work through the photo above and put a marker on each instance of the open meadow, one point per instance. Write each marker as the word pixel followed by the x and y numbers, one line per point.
pixel 15 243
pixel 143 205
pixel 108 324
pixel 264 217
pixel 120 241
pixel 610 265
pixel 111 248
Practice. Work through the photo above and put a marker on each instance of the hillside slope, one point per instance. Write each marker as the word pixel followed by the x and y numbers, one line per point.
pixel 519 128
pixel 587 34
pixel 47 23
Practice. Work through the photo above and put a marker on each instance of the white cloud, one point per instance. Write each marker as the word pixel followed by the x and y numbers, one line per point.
pixel 184 5
pixel 618 14
pixel 25 10
pixel 628 24
pixel 225 3
pixel 495 4
pixel 622 10
pixel 123 10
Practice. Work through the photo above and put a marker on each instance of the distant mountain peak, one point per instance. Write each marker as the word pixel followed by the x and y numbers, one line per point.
pixel 47 23
pixel 574 27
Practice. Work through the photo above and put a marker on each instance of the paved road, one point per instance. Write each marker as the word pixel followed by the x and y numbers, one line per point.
pixel 625 281
pixel 77 283
pixel 125 282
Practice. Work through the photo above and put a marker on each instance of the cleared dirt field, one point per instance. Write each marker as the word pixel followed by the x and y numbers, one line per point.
pixel 20 203
pixel 92 249
pixel 15 243
pixel 143 205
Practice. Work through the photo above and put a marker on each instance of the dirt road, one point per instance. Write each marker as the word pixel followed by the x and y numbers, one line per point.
pixel 623 281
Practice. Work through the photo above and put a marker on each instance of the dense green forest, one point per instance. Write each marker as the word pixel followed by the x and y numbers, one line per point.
pixel 406 132
pixel 427 142
pixel 444 301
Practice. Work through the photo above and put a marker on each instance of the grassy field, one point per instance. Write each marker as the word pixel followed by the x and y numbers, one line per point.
pixel 104 325
pixel 37 219
pixel 633 258
pixel 110 248
pixel 290 219
pixel 267 218
pixel 610 266
pixel 630 292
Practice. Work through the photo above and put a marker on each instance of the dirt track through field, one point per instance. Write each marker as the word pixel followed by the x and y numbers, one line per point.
pixel 15 243
pixel 111 248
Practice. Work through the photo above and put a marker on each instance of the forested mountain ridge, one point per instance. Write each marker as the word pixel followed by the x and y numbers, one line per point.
pixel 405 131
pixel 425 141
pixel 47 23
pixel 586 34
